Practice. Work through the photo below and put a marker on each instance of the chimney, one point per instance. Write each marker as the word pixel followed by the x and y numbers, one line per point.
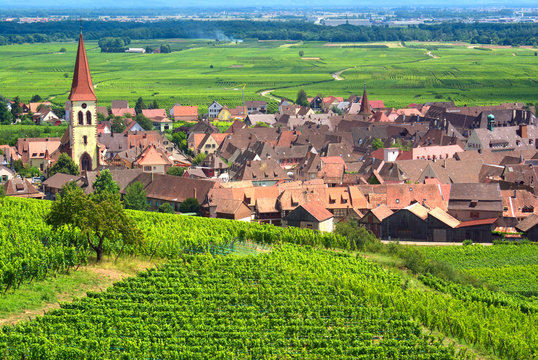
pixel 523 131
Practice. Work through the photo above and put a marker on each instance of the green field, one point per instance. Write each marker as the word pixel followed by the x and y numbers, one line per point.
pixel 396 75
pixel 511 268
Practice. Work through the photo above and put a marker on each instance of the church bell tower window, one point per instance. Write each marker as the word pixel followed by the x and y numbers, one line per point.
pixel 80 118
pixel 88 118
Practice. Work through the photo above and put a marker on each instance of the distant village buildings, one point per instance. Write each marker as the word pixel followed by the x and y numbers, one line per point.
pixel 425 172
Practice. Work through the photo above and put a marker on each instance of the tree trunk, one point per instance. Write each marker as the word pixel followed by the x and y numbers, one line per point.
pixel 99 251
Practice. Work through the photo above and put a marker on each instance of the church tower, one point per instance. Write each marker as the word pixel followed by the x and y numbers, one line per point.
pixel 83 115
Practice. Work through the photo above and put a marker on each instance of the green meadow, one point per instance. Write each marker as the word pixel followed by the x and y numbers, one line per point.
pixel 199 71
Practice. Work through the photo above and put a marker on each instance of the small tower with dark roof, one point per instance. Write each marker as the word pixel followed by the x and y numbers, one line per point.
pixel 365 105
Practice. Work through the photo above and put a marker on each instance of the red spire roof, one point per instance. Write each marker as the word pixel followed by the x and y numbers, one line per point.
pixel 82 87
pixel 365 105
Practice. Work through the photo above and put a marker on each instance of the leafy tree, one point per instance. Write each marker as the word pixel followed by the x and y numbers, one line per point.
pixel 112 44
pixel 36 98
pixel 199 158
pixel 72 185
pixel 5 115
pixel 176 171
pixel 16 109
pixel 359 237
pixel 18 166
pixel 165 49
pixel 301 98
pixel 64 165
pixel 149 49
pixel 105 183
pixel 99 217
pixel 100 117
pixel 135 197
pixel 62 50
pixel 144 122
pixel 139 106
pixel 190 205
pixel 154 105
pixel 2 191
pixel 336 110
pixel 166 208
pixel 118 125
pixel 377 143
pixel 301 53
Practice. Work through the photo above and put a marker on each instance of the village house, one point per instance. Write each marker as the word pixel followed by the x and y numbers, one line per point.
pixel 184 113
pixel 475 201
pixel 213 110
pixel 233 210
pixel 213 166
pixel 158 118
pixel 19 187
pixel 522 137
pixel 53 185
pixel 36 152
pixel 174 190
pixel 6 174
pixel 529 227
pixel 310 215
pixel 256 106
pixel 373 218
pixel 45 116
pixel 154 160
pixel 123 112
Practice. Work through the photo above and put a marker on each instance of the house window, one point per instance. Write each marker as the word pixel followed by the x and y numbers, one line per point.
pixel 88 118
pixel 474 214
pixel 85 140
pixel 80 118
pixel 147 168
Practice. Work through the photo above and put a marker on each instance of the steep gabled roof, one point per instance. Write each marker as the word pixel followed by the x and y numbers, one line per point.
pixel 82 87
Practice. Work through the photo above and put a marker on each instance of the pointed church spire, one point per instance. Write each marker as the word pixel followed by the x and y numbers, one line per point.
pixel 82 87
pixel 365 105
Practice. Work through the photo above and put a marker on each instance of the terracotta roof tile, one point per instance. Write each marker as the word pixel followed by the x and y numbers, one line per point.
pixel 317 210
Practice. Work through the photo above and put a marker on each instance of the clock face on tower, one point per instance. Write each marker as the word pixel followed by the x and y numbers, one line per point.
pixel 84 105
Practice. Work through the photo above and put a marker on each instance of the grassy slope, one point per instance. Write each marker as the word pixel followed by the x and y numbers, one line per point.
pixel 33 299
pixel 396 75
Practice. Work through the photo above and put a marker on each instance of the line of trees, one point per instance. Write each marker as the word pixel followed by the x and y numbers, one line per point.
pixel 113 44
pixel 494 33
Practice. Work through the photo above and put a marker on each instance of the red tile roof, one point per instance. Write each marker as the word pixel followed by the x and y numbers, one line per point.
pixel 82 87
pixel 154 113
pixel 123 111
pixel 317 210
pixel 185 111
pixel 477 222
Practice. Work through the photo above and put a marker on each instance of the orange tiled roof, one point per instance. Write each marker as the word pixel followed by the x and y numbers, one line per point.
pixel 152 156
pixel 317 210
pixel 154 113
pixel 185 111
pixel 123 111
